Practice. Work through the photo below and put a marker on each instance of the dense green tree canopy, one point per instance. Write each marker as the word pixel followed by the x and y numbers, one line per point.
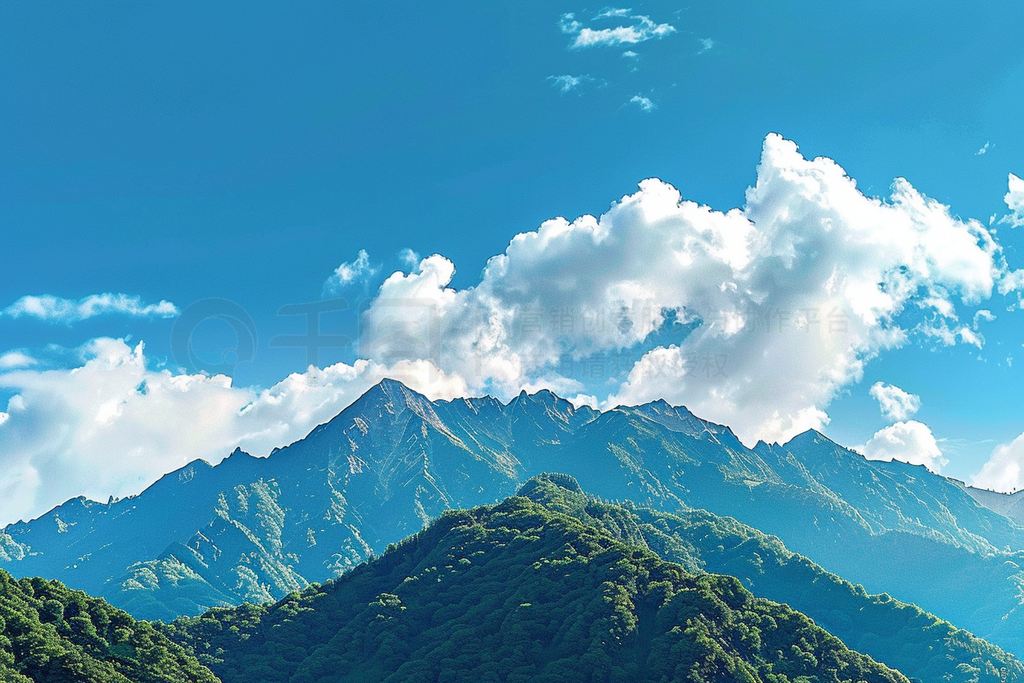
pixel 50 634
pixel 551 585
pixel 518 592
pixel 901 635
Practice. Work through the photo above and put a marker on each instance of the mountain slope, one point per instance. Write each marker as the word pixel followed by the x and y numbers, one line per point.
pixel 899 635
pixel 258 528
pixel 519 593
pixel 1007 504
pixel 49 634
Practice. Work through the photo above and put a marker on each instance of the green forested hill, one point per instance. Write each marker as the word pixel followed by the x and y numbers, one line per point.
pixel 519 592
pixel 550 581
pixel 50 634
pixel 898 634
pixel 256 529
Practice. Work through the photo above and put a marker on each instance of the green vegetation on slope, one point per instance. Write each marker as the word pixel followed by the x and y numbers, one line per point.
pixel 50 634
pixel 901 635
pixel 238 556
pixel 257 529
pixel 518 592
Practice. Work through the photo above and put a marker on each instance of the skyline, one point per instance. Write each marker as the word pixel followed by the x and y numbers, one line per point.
pixel 253 172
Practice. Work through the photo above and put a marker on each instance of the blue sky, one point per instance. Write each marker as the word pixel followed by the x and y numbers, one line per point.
pixel 247 153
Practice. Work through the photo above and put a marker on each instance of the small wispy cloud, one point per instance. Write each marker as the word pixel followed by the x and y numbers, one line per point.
pixel 350 273
pixel 644 103
pixel 609 12
pixel 983 150
pixel 946 335
pixel 640 29
pixel 567 83
pixel 568 24
pixel 59 310
pixel 982 316
pixel 629 54
pixel 409 258
pixel 705 45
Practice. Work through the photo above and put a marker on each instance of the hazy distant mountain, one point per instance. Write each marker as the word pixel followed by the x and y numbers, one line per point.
pixel 519 592
pixel 1007 504
pixel 258 528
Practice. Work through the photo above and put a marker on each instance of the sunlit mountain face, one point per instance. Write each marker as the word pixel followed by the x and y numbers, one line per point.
pixel 256 529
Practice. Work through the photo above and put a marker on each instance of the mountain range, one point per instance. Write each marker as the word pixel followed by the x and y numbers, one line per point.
pixel 257 529
pixel 521 592
pixel 549 585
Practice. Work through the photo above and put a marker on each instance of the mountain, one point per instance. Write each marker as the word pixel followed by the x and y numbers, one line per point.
pixel 259 528
pixel 902 636
pixel 517 592
pixel 256 529
pixel 49 634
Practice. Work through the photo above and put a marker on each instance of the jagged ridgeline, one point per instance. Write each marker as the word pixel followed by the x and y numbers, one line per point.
pixel 50 634
pixel 517 592
pixel 257 529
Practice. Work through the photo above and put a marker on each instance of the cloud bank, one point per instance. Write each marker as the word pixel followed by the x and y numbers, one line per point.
pixel 112 426
pixel 784 300
pixel 756 317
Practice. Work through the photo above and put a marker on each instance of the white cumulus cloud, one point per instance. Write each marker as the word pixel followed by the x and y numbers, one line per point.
pixel 112 426
pixel 911 442
pixel 895 404
pixel 59 310
pixel 787 298
pixel 1004 470
pixel 754 317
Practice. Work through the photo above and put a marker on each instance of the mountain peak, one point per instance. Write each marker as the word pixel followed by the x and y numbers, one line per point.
pixel 660 404
pixel 808 437
pixel 396 390
pixel 388 391
pixel 391 384
pixel 563 481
